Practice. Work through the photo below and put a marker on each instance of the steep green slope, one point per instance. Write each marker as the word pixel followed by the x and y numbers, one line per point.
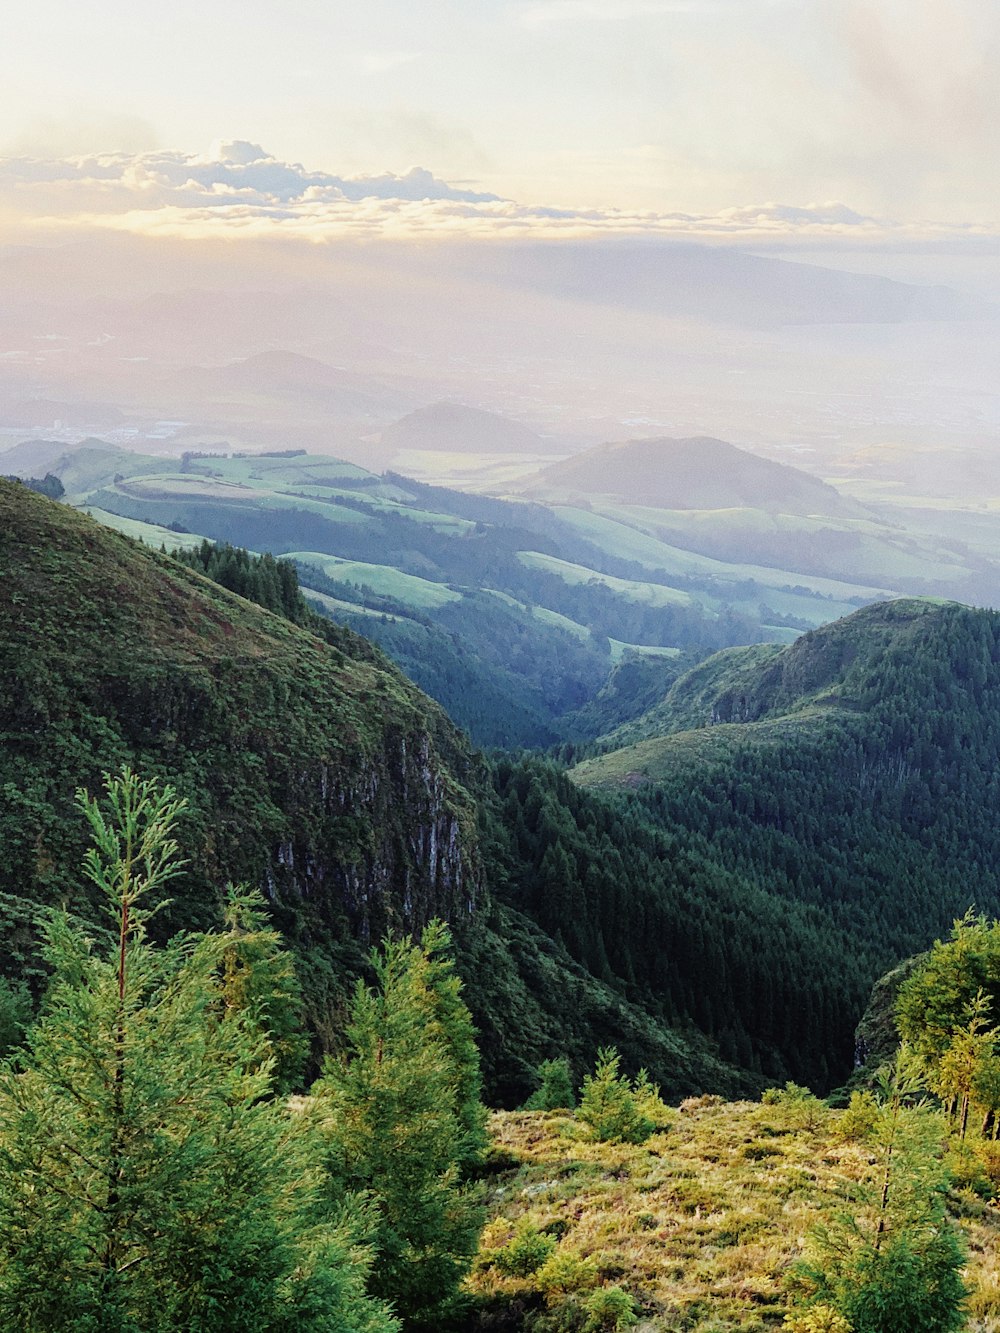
pixel 312 768
pixel 853 776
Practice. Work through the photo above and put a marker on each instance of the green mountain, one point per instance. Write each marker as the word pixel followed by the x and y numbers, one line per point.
pixel 535 604
pixel 843 788
pixel 312 768
pixel 714 897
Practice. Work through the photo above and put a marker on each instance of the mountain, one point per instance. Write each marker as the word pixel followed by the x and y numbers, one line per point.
pixel 697 473
pixel 278 376
pixel 509 614
pixel 313 770
pixel 843 788
pixel 720 284
pixel 457 429
pixel 30 458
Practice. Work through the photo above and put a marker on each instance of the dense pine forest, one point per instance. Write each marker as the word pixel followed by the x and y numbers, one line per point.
pixel 782 862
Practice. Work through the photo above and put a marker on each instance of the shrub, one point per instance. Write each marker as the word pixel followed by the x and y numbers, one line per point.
pixel 565 1272
pixel 648 1101
pixel 608 1310
pixel 555 1092
pixel 859 1118
pixel 609 1103
pixel 816 1319
pixel 525 1252
pixel 801 1108
pixel 893 1264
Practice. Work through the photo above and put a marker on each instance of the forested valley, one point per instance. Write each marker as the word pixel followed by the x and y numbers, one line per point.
pixel 264 1106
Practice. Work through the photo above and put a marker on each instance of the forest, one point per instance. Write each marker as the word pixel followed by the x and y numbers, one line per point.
pixel 692 900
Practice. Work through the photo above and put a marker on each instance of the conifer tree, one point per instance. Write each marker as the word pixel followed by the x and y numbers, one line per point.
pixel 614 1108
pixel 893 1264
pixel 148 1181
pixel 401 1114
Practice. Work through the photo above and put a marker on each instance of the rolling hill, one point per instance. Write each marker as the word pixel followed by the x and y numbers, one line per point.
pixel 697 473
pixel 851 776
pixel 455 428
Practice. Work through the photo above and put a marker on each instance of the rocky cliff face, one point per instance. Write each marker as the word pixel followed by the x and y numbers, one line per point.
pixel 311 769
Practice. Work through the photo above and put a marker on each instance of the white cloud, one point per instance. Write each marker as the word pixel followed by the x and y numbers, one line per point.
pixel 231 172
pixel 238 188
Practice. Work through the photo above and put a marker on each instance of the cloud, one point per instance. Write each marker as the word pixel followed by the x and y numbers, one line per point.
pixel 239 189
pixel 233 172
pixel 930 69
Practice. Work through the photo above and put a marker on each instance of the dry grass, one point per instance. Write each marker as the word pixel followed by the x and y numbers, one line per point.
pixel 702 1224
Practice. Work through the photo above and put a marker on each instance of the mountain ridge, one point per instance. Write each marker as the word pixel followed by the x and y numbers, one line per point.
pixel 696 472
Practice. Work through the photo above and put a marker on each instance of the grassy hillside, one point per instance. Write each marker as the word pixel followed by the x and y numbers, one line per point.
pixel 852 777
pixel 431 552
pixel 702 1225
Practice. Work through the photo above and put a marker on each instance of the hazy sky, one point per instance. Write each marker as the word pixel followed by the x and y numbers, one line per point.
pixel 887 107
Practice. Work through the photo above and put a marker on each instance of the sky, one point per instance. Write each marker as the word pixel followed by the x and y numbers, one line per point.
pixel 745 118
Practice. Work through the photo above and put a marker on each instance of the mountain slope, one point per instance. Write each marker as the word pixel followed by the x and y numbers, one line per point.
pixel 313 770
pixel 853 776
pixel 698 473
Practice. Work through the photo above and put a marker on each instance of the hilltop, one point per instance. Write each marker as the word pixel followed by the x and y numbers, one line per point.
pixel 696 473
pixel 456 428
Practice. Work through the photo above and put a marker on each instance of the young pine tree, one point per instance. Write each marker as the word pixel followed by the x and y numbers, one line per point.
pixel 401 1114
pixel 148 1181
pixel 893 1264
pixel 555 1090
pixel 614 1108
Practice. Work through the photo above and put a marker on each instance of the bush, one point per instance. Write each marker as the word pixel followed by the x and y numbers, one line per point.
pixel 612 1106
pixel 893 1264
pixel 859 1118
pixel 555 1092
pixel 966 1168
pixel 801 1108
pixel 989 1154
pixel 816 1319
pixel 565 1272
pixel 608 1310
pixel 525 1253
pixel 648 1101
pixel 909 1288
